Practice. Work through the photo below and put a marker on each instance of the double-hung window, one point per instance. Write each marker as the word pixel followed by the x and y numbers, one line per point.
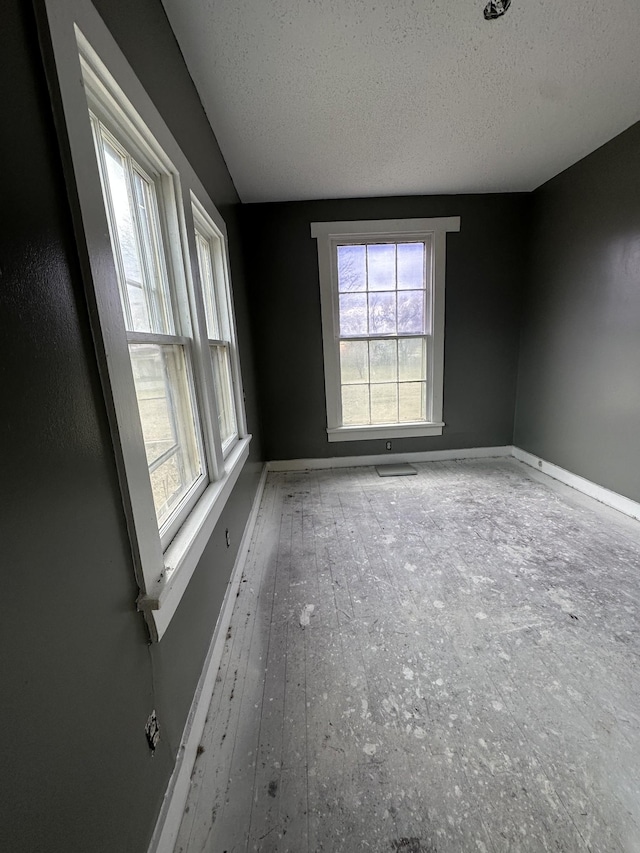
pixel 382 295
pixel 214 277
pixel 159 337
pixel 154 254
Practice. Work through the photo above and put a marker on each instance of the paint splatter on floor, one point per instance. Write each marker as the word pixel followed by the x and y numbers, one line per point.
pixel 305 616
pixel 443 697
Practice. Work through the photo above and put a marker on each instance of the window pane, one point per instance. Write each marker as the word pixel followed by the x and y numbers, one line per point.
pixel 384 379
pixel 158 425
pixel 133 217
pixel 381 260
pixel 134 303
pixel 353 314
pixel 355 405
pixel 411 359
pixel 411 312
pixel 154 279
pixel 412 401
pixel 167 486
pixel 208 288
pixel 224 392
pixel 410 266
pixel 382 313
pixel 354 362
pixel 168 423
pixel 384 403
pixel 383 361
pixel 139 309
pixel 122 210
pixel 352 268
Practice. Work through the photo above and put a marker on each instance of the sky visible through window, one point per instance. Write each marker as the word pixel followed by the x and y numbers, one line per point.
pixel 383 317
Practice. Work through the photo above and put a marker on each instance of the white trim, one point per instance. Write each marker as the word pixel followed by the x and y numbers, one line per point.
pixel 183 554
pixel 433 231
pixel 616 501
pixel 348 433
pixel 384 458
pixel 216 239
pixel 382 227
pixel 435 370
pixel 175 798
pixel 581 484
pixel 69 31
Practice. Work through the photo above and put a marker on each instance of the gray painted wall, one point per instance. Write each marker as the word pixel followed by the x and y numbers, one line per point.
pixel 78 677
pixel 578 402
pixel 485 270
pixel 77 673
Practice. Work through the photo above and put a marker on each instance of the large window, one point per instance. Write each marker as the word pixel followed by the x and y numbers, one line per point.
pixel 159 338
pixel 382 290
pixel 154 252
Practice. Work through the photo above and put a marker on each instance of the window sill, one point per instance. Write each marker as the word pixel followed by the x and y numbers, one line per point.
pixel 183 554
pixel 382 431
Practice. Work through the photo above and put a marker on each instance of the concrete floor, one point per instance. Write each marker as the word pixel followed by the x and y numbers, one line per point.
pixel 443 662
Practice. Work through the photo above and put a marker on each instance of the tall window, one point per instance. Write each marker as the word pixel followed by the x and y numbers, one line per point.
pixel 384 331
pixel 154 256
pixel 382 289
pixel 213 278
pixel 159 346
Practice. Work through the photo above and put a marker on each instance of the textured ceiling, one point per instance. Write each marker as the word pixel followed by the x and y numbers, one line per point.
pixel 335 98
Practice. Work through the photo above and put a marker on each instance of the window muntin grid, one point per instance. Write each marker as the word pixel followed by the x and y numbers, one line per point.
pixel 160 357
pixel 215 299
pixel 384 320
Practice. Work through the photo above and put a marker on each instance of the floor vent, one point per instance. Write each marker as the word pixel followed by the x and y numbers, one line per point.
pixel 400 469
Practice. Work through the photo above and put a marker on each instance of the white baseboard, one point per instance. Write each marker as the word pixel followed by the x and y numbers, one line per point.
pixel 384 458
pixel 581 484
pixel 175 798
pixel 587 487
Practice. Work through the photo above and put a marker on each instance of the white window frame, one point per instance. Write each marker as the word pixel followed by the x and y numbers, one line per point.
pixel 328 236
pixel 222 297
pixel 156 170
pixel 87 69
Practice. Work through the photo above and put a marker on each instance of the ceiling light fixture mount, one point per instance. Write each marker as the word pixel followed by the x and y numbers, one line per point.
pixel 495 9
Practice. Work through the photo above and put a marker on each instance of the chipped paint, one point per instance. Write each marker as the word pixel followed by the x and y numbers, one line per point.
pixel 305 616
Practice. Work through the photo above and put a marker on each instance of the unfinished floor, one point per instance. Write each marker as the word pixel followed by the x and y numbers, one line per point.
pixel 443 662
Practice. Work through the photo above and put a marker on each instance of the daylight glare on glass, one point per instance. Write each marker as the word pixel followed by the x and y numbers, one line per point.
pixel 383 317
pixel 143 287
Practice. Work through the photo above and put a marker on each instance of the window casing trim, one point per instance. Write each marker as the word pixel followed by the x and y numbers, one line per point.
pixel 384 431
pixel 158 171
pixel 182 556
pixel 328 236
pixel 114 119
pixel 162 570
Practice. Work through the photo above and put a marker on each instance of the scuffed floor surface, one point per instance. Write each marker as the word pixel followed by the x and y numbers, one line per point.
pixel 442 663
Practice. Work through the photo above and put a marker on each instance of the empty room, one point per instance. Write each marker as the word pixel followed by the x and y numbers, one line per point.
pixel 321 409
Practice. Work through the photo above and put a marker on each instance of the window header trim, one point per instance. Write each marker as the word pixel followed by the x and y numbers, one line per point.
pixel 385 227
